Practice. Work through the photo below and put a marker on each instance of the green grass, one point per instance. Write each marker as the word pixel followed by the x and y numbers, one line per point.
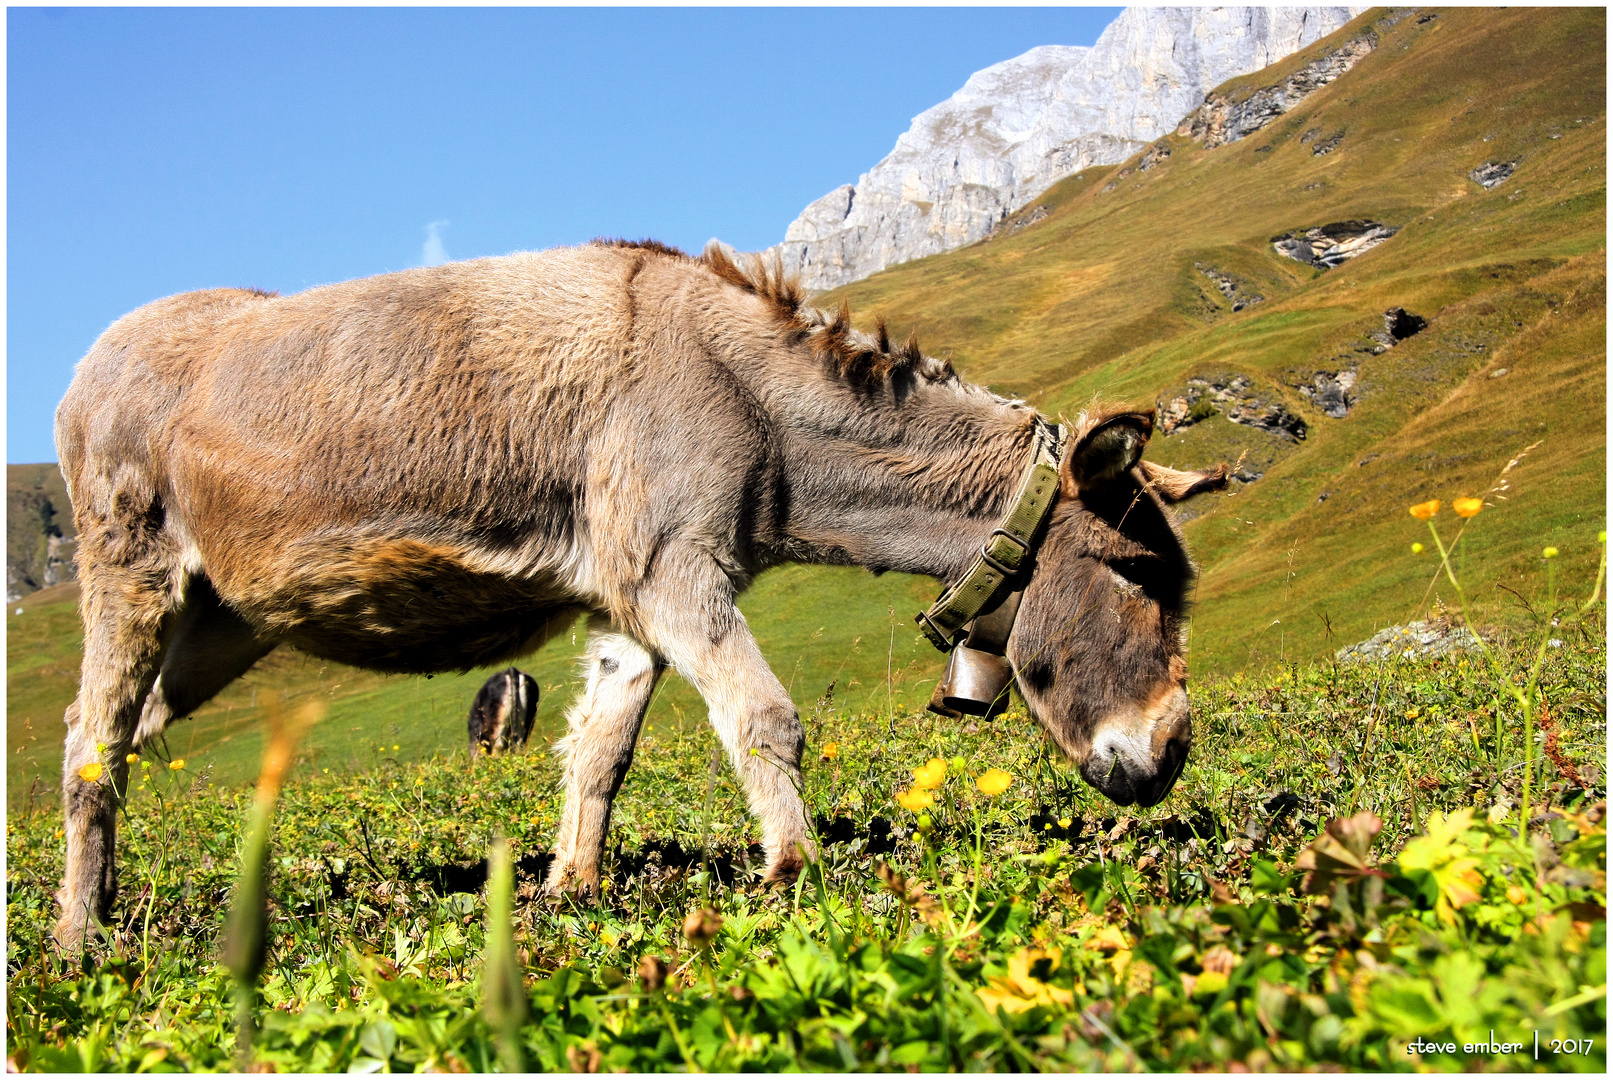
pixel 1180 937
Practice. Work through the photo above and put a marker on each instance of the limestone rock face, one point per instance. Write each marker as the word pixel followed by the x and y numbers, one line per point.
pixel 1018 127
pixel 1219 120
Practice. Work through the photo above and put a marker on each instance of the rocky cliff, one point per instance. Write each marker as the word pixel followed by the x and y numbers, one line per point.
pixel 40 538
pixel 1018 127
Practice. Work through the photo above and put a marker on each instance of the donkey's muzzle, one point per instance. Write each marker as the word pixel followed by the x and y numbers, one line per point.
pixel 1134 764
pixel 975 683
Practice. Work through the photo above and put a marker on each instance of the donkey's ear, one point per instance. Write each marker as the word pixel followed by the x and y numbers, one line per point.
pixel 1174 486
pixel 1106 453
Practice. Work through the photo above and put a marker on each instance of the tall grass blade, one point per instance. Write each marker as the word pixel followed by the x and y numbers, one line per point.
pixel 503 991
pixel 246 926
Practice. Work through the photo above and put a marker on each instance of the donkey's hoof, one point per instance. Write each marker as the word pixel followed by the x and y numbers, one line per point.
pixel 570 885
pixel 786 870
pixel 72 934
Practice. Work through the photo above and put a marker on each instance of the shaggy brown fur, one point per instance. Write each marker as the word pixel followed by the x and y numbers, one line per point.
pixel 440 468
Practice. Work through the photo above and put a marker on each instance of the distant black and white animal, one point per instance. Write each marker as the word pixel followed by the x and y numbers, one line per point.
pixel 501 718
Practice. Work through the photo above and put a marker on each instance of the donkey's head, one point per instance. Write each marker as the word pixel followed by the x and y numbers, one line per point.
pixel 1098 644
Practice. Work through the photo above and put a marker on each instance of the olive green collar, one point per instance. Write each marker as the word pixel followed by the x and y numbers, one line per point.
pixel 1009 550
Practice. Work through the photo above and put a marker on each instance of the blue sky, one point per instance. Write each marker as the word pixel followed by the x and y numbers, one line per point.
pixel 158 150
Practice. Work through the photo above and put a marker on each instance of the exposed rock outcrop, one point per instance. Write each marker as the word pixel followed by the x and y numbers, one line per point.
pixel 1225 119
pixel 40 539
pixel 1234 397
pixel 1398 325
pixel 1156 153
pixel 1414 640
pixel 1009 226
pixel 1230 287
pixel 1330 392
pixel 1016 128
pixel 1493 173
pixel 1329 245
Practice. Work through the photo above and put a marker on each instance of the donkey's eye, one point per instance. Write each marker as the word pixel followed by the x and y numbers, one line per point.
pixel 1148 576
pixel 1124 585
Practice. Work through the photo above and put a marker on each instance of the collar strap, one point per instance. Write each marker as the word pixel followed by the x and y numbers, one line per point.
pixel 1009 550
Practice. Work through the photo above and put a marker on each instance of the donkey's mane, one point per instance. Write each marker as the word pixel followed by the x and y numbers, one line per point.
pixel 858 358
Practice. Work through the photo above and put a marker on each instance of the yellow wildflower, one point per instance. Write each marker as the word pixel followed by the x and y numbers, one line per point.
pixel 1549 553
pixel 1425 511
pixel 993 781
pixel 132 758
pixel 1020 990
pixel 1467 507
pixel 91 772
pixel 916 799
pixel 1111 940
pixel 1441 852
pixel 1416 549
pixel 930 775
pixel 1517 895
pixel 177 764
pixel 831 751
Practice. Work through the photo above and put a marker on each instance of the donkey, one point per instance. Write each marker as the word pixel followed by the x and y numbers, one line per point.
pixel 501 716
pixel 442 468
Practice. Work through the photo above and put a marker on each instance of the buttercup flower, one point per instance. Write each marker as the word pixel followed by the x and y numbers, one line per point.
pixel 993 781
pixel 831 751
pixel 930 775
pixel 915 800
pixel 1549 553
pixel 177 764
pixel 1021 990
pixel 91 772
pixel 1416 549
pixel 1467 507
pixel 1442 853
pixel 1425 511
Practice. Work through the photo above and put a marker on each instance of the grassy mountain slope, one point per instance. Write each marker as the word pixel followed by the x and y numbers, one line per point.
pixel 1104 298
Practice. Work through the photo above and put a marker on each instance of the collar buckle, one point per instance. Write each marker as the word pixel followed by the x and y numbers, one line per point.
pixel 1006 560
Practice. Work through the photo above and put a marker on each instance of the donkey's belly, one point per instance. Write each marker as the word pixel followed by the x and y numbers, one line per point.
pixel 402 605
pixel 423 649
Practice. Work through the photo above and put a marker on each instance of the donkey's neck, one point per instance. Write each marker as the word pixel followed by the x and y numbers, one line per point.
pixel 911 481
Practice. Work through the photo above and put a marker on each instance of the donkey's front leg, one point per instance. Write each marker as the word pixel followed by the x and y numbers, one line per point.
pixel 604 725
pixel 706 638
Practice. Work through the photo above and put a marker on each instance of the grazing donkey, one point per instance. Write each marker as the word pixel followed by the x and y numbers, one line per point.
pixel 501 716
pixel 441 468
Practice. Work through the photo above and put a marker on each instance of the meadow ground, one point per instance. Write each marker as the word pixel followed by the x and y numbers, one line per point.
pixel 1035 928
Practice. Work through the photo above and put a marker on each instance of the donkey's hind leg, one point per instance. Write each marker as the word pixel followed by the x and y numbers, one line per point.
pixel 128 575
pixel 604 725
pixel 210 648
